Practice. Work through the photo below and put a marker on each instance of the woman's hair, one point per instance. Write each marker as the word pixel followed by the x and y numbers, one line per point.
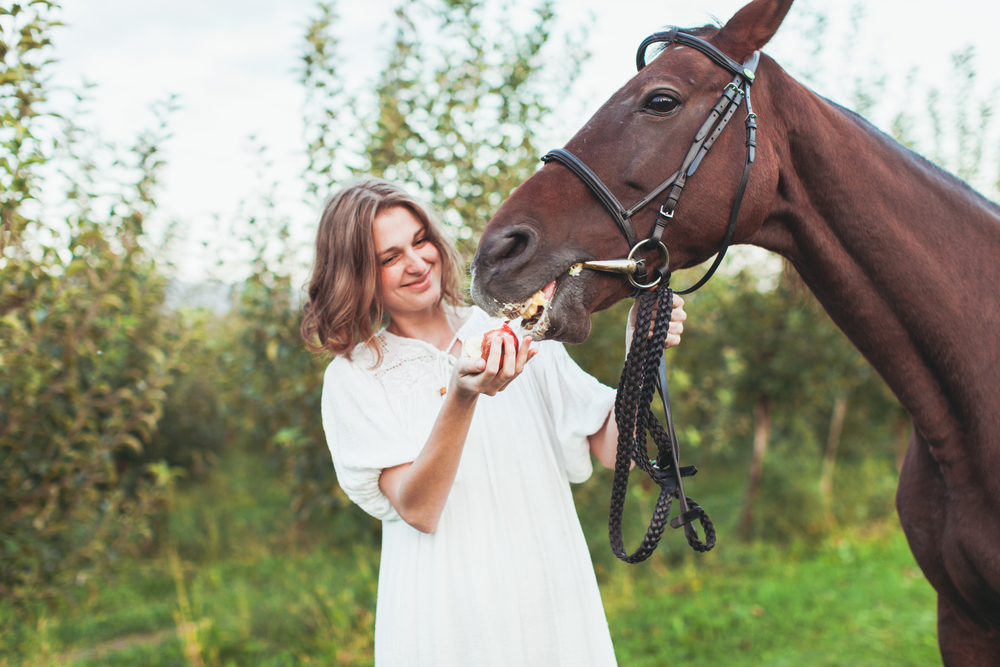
pixel 343 307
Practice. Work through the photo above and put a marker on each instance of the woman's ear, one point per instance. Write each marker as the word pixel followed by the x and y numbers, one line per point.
pixel 751 28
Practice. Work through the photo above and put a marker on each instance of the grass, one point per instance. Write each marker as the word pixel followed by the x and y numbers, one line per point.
pixel 857 600
pixel 234 583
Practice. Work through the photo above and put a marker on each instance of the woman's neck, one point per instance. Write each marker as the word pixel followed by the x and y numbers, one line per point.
pixel 436 327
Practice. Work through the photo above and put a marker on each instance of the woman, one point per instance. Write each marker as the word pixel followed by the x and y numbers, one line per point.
pixel 467 462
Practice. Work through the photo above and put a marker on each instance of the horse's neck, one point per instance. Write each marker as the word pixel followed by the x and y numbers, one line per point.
pixel 902 255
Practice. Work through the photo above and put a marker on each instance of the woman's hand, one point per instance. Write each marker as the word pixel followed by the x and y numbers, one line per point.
pixel 477 376
pixel 674 331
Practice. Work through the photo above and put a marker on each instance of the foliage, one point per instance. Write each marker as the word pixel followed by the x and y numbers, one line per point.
pixel 454 112
pixel 191 432
pixel 271 397
pixel 234 584
pixel 746 341
pixel 261 387
pixel 85 347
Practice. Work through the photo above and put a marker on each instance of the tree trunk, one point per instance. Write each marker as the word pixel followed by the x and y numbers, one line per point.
pixel 832 444
pixel 761 434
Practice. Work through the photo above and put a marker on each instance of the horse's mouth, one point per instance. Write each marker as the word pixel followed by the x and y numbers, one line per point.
pixel 542 314
pixel 554 310
pixel 533 312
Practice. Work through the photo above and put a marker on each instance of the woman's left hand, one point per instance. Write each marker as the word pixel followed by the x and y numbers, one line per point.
pixel 674 331
pixel 488 376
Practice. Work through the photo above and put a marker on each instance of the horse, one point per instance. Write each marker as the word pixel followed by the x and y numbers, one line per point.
pixel 901 255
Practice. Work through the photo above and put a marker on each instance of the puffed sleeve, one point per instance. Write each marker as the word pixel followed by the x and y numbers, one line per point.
pixel 578 404
pixel 364 436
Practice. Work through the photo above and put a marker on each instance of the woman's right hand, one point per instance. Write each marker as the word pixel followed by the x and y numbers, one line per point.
pixel 477 376
pixel 674 329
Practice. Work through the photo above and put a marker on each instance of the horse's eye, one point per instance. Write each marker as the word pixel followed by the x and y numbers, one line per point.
pixel 662 103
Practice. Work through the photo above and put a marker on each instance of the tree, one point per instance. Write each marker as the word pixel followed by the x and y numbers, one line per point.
pixel 455 111
pixel 760 369
pixel 86 348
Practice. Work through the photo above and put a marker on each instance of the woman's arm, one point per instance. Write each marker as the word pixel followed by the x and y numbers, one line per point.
pixel 604 443
pixel 419 490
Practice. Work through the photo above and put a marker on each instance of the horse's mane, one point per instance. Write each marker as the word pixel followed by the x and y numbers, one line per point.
pixel 891 142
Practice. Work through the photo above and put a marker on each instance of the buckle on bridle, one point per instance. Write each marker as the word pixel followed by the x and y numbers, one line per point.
pixel 666 214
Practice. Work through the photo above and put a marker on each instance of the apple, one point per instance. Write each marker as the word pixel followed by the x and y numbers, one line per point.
pixel 476 347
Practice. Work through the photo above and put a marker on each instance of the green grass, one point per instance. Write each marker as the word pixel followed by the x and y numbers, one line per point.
pixel 854 601
pixel 233 582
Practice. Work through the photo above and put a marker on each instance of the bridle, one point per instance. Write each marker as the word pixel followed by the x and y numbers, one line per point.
pixel 732 97
pixel 645 366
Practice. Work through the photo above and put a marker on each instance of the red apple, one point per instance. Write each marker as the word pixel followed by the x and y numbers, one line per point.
pixel 475 347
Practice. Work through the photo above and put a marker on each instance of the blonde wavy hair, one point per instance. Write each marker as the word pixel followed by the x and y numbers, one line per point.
pixel 343 308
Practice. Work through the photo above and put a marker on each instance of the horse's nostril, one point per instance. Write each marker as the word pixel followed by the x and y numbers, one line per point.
pixel 512 244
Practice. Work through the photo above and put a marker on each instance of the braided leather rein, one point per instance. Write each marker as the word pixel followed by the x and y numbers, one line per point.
pixel 644 372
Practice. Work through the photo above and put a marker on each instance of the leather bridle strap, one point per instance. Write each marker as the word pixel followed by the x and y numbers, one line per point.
pixel 675 36
pixel 621 215
pixel 751 143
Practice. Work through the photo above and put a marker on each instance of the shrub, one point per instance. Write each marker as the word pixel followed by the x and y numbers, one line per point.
pixel 86 349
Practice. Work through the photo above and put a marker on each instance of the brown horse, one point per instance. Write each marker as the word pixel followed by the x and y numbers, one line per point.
pixel 904 257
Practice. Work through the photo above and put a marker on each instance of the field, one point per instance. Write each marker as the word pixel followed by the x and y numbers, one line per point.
pixel 236 583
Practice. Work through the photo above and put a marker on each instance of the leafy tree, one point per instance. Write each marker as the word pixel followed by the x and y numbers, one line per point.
pixel 191 431
pixel 86 349
pixel 454 112
pixel 270 384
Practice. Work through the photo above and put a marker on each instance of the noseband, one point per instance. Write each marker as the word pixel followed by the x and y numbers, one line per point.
pixel 732 96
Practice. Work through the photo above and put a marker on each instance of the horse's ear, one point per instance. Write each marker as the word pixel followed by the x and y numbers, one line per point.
pixel 751 28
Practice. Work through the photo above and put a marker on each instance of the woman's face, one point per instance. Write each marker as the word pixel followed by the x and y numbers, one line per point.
pixel 410 280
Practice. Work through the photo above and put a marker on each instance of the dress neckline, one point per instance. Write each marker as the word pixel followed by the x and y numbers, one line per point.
pixel 468 314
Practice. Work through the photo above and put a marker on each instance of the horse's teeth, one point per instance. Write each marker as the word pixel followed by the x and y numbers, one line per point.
pixel 536 300
pixel 527 309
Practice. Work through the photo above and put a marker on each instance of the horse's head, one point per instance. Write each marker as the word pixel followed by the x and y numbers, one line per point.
pixel 634 143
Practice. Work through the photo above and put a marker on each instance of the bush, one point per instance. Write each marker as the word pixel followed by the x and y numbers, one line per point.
pixel 86 349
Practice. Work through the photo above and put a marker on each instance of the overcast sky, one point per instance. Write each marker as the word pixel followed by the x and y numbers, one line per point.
pixel 233 64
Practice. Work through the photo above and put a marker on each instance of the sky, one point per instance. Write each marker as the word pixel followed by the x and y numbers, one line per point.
pixel 233 66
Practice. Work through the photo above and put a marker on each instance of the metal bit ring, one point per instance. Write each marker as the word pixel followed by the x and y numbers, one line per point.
pixel 666 260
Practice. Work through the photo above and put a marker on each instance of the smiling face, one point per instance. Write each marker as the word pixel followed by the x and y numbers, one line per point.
pixel 410 265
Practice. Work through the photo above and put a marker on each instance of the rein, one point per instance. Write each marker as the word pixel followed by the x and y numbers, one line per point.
pixel 645 366
pixel 645 371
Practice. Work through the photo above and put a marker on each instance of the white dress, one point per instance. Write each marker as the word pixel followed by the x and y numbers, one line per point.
pixel 506 579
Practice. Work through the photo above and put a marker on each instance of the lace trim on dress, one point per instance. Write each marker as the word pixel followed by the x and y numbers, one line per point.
pixel 404 366
pixel 408 364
